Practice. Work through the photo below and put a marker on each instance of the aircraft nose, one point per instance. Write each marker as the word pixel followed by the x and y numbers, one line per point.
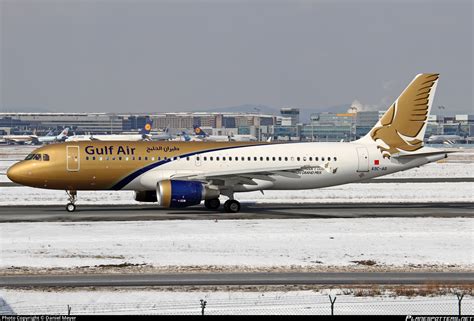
pixel 15 172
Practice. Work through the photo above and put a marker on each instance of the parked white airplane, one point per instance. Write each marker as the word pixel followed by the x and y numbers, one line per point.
pixel 180 174
pixel 445 139
pixel 19 139
pixel 201 135
pixel 51 138
pixel 143 135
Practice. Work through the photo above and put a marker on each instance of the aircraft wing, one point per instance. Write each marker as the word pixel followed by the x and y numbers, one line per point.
pixel 241 176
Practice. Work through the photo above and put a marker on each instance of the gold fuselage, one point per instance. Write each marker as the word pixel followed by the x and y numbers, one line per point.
pixel 102 165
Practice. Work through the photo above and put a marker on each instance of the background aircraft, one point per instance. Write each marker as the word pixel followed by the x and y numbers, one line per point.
pixel 51 138
pixel 144 134
pixel 201 135
pixel 445 139
pixel 19 139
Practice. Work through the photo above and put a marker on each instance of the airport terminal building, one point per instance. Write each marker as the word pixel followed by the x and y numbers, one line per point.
pixel 323 126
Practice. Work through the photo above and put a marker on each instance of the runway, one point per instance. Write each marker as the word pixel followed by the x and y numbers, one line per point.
pixel 57 213
pixel 195 279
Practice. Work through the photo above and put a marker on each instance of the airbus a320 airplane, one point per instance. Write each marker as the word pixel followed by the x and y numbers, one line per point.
pixel 180 174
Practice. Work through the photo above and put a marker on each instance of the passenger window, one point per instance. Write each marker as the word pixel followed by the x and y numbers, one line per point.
pixel 249 158
pixel 211 158
pixel 322 158
pixel 153 158
pixel 255 158
pixel 93 157
pixel 286 158
pixel 329 158
pixel 108 158
pixel 304 159
pixel 316 158
pixel 268 158
pixel 279 158
pixel 310 159
pixel 335 159
pixel 242 158
pixel 261 158
pixel 87 157
pixel 146 158
pixel 217 158
pixel 46 157
pixel 187 158
pixel 126 158
pixel 223 158
pixel 139 158
pixel 205 158
pixel 120 158
pixel 230 158
pixel 113 158
pixel 292 159
pixel 298 159
pixel 236 158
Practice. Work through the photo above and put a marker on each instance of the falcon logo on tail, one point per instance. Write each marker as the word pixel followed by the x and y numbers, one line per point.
pixel 403 126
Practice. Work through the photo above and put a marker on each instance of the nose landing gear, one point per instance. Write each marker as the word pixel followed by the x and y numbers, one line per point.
pixel 72 195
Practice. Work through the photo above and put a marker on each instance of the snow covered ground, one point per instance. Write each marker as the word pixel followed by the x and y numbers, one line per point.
pixel 350 193
pixel 390 242
pixel 218 303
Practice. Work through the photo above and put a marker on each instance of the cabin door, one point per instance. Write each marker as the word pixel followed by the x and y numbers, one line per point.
pixel 72 158
pixel 363 156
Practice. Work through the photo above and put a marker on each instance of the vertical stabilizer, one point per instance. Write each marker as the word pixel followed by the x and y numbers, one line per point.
pixel 402 127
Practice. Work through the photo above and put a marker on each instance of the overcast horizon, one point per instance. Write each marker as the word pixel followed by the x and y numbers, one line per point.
pixel 158 56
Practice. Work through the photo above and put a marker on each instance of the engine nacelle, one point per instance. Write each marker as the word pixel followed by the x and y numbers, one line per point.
pixel 145 196
pixel 173 193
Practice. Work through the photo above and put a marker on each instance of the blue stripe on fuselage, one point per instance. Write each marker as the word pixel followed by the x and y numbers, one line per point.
pixel 145 169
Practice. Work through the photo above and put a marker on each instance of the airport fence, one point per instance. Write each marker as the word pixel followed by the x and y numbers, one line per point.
pixel 262 304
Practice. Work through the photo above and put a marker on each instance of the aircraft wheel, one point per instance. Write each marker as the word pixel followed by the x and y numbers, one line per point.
pixel 232 206
pixel 70 207
pixel 212 204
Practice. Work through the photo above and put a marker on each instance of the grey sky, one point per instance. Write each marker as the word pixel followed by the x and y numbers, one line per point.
pixel 155 56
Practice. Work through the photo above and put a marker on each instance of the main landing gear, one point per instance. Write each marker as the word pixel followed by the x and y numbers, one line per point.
pixel 230 206
pixel 72 195
pixel 212 204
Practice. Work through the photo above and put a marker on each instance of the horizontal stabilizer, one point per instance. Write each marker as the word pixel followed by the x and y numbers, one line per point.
pixel 423 153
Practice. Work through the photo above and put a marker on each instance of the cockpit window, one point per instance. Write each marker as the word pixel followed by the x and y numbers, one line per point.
pixel 36 157
pixel 46 157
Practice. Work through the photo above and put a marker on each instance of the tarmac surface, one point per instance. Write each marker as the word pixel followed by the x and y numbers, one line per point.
pixel 195 279
pixel 57 213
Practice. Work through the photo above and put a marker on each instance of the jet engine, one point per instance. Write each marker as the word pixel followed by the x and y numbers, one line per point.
pixel 175 193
